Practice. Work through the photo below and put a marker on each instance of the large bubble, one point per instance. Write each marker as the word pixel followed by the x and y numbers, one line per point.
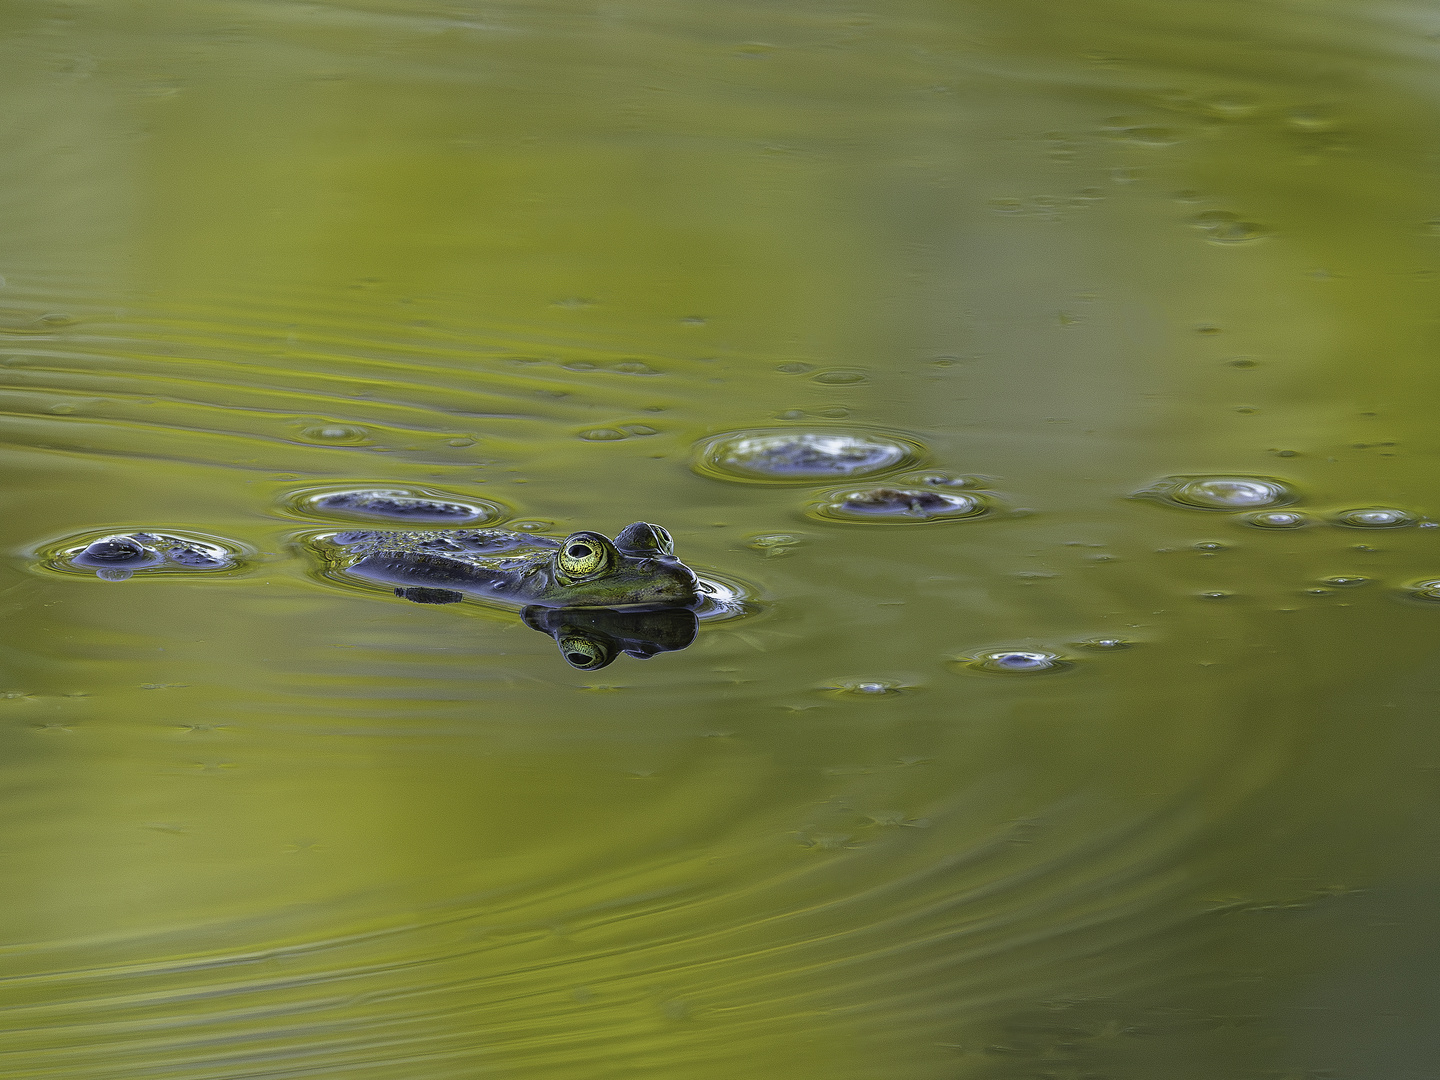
pixel 789 456
pixel 899 505
pixel 1220 492
pixel 1373 517
pixel 395 504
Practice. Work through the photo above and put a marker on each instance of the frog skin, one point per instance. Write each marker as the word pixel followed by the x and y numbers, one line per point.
pixel 638 568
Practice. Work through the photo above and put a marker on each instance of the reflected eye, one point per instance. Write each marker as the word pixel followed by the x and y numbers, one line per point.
pixel 583 653
pixel 584 555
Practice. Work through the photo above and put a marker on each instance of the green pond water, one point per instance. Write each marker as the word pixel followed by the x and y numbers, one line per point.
pixel 261 822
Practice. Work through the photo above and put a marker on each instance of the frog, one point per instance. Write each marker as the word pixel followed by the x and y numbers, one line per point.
pixel 585 569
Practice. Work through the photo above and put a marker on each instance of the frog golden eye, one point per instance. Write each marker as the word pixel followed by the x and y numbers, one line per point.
pixel 583 653
pixel 585 555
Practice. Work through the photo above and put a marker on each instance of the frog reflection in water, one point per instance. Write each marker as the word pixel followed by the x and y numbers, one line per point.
pixel 638 568
pixel 591 638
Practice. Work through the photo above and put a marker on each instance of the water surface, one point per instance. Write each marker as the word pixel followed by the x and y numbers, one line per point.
pixel 528 257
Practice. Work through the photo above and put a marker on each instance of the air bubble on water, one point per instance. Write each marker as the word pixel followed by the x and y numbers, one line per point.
pixel 1426 590
pixel 941 480
pixel 395 504
pixel 840 378
pixel 790 456
pixel 602 435
pixel 1344 582
pixel 773 544
pixel 1277 519
pixel 868 688
pixel 1214 594
pixel 334 433
pixel 634 367
pixel 794 368
pixel 1373 517
pixel 1016 662
pixel 1223 227
pixel 899 505
pixel 1210 546
pixel 1220 492
pixel 1104 643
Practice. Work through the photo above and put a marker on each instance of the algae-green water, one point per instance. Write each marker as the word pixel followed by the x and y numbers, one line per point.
pixel 259 824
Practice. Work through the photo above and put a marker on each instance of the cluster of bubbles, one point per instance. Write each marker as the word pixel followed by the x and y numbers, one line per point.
pixel 119 556
pixel 1257 497
pixel 810 457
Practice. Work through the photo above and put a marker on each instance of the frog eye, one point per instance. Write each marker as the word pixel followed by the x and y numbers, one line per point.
pixel 583 653
pixel 585 555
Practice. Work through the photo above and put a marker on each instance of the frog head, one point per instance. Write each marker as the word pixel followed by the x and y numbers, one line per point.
pixel 638 567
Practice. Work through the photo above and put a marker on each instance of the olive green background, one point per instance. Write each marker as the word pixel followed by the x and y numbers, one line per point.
pixel 261 826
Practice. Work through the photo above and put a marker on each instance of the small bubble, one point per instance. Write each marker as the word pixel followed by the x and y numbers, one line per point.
pixel 334 433
pixel 773 544
pixel 634 367
pixel 840 378
pixel 1104 643
pixel 937 479
pixel 1016 662
pixel 1215 594
pixel 1242 362
pixel 602 435
pixel 1210 546
pixel 114 574
pixel 1277 519
pixel 460 442
pixel 1223 227
pixel 1426 590
pixel 1344 582
pixel 868 688
pixel 1236 232
pixel 693 320
pixel 794 369
pixel 1220 492
pixel 531 526
pixel 1373 517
